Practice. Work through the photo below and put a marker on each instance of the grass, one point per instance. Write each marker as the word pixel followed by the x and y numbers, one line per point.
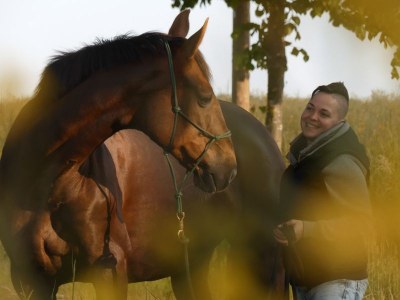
pixel 376 121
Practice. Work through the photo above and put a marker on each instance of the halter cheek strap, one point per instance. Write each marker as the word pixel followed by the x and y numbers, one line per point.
pixel 177 111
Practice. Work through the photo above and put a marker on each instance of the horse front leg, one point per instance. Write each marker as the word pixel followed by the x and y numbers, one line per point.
pixel 199 279
pixel 102 258
pixel 109 276
pixel 255 270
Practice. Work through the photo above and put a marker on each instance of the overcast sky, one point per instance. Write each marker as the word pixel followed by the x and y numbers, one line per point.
pixel 32 31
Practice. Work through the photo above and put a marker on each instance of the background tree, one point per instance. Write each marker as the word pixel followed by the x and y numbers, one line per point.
pixel 279 19
pixel 240 45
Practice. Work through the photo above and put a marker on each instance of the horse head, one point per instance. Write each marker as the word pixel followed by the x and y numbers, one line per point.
pixel 85 96
pixel 198 102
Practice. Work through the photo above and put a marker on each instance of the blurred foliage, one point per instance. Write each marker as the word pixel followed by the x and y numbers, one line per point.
pixel 365 18
pixel 9 110
pixel 376 121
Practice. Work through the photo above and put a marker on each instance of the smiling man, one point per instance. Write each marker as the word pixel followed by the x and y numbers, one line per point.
pixel 325 208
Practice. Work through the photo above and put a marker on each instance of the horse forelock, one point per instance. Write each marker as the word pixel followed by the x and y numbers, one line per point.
pixel 68 69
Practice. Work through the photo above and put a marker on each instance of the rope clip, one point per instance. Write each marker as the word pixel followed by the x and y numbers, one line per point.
pixel 181 233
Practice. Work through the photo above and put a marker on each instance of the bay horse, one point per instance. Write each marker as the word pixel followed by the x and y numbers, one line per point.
pixel 83 176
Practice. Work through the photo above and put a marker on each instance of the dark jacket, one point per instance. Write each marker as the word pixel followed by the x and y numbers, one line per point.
pixel 326 186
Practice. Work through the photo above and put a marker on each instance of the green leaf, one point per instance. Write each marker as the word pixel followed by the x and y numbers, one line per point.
pixel 395 62
pixel 383 41
pixel 296 20
pixel 360 32
pixel 176 3
pixel 316 12
pixel 335 23
pixel 381 38
pixel 300 7
pixel 235 34
pixel 305 55
pixel 249 26
pixel 263 109
pixel 395 74
pixel 371 35
pixel 289 27
pixel 202 3
pixel 389 41
pixel 259 12
pixel 183 4
pixel 295 51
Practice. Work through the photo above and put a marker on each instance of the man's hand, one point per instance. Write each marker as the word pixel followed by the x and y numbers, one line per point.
pixel 298 228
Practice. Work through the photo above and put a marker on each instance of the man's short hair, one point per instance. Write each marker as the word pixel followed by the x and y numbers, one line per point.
pixel 339 92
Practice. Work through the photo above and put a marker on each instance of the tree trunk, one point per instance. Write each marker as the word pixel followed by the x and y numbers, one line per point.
pixel 240 76
pixel 276 64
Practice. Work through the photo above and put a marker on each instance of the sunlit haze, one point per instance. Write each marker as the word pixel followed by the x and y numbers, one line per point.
pixel 32 31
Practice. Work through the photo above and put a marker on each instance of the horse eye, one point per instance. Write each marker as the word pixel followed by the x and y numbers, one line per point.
pixel 205 100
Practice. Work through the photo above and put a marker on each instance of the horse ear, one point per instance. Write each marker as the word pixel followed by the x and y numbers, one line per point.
pixel 180 27
pixel 191 45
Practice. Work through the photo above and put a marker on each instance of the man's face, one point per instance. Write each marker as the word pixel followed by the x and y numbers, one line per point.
pixel 320 114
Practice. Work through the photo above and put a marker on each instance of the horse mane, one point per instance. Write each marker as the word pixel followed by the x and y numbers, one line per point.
pixel 66 70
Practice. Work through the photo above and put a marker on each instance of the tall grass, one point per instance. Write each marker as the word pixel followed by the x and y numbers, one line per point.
pixel 377 123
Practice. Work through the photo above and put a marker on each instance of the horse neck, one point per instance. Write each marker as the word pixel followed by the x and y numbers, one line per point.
pixel 72 127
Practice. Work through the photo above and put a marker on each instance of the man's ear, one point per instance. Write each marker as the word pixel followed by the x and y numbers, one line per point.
pixel 191 45
pixel 180 26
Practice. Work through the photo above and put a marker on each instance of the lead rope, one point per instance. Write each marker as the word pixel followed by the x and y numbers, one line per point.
pixel 178 190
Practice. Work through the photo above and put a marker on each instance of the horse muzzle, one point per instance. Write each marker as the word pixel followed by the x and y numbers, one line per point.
pixel 213 180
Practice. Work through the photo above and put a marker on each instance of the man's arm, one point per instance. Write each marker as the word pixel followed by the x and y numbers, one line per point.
pixel 345 181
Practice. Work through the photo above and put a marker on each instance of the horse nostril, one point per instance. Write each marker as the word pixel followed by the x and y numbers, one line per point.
pixel 233 175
